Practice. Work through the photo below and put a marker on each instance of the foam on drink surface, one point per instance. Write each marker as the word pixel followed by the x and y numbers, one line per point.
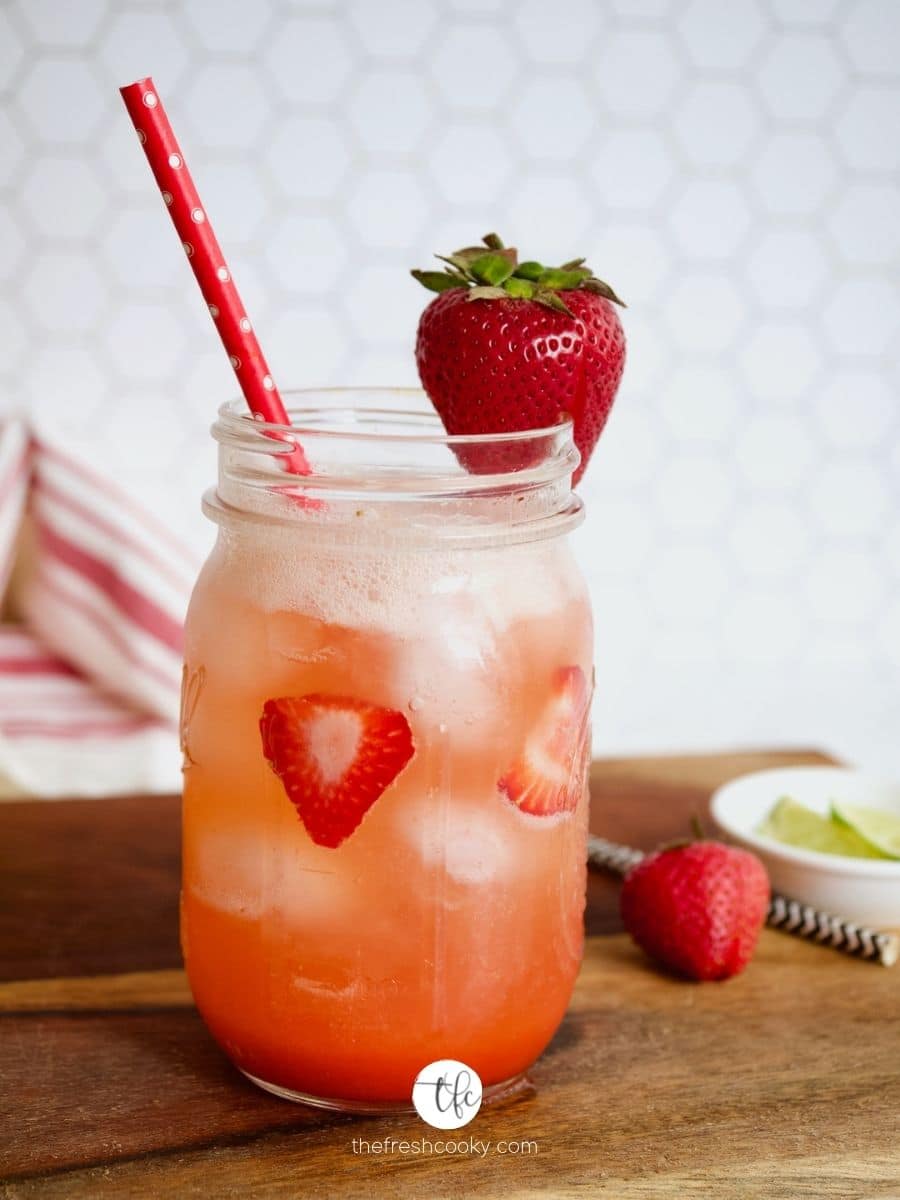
pixel 397 588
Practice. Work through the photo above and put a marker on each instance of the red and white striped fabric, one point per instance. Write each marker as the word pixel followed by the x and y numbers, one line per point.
pixel 89 687
pixel 15 474
pixel 110 586
pixel 61 735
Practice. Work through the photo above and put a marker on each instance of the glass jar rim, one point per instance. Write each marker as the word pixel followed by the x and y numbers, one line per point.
pixel 235 417
pixel 371 454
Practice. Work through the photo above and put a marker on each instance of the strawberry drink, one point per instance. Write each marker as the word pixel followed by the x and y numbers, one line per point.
pixel 387 685
pixel 385 718
pixel 385 736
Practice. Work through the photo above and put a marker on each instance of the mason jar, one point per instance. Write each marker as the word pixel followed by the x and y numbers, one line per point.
pixel 385 730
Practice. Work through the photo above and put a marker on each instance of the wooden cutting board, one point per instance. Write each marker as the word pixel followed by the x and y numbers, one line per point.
pixel 782 1083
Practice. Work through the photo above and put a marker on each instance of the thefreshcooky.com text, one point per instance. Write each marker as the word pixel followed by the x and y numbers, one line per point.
pixel 467 1146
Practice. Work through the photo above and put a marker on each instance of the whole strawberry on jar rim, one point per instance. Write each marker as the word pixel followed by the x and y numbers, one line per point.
pixel 509 345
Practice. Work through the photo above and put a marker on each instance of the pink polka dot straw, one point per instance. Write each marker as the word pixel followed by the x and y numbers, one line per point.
pixel 207 261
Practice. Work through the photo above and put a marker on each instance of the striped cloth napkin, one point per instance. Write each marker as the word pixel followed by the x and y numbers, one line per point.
pixel 90 678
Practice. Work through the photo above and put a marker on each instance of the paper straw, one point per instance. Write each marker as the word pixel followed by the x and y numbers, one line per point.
pixel 207 261
pixel 791 916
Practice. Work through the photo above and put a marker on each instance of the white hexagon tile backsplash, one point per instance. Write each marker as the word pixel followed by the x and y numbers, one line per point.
pixel 733 168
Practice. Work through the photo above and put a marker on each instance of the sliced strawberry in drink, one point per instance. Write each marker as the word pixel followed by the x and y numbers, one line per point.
pixel 547 776
pixel 335 756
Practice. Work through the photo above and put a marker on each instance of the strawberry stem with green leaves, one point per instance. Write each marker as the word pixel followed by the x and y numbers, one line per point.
pixel 492 271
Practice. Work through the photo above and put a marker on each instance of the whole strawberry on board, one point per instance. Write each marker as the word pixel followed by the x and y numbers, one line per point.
pixel 697 908
pixel 511 345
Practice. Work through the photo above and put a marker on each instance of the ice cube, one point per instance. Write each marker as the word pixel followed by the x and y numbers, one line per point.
pixel 252 873
pixel 447 673
pixel 298 638
pixel 224 868
pixel 470 839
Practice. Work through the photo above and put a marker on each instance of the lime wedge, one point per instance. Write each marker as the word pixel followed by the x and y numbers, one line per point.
pixel 878 827
pixel 796 825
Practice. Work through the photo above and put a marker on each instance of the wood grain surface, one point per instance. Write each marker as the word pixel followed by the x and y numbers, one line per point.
pixel 782 1083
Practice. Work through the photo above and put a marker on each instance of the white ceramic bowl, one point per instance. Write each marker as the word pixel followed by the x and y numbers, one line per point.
pixel 863 889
